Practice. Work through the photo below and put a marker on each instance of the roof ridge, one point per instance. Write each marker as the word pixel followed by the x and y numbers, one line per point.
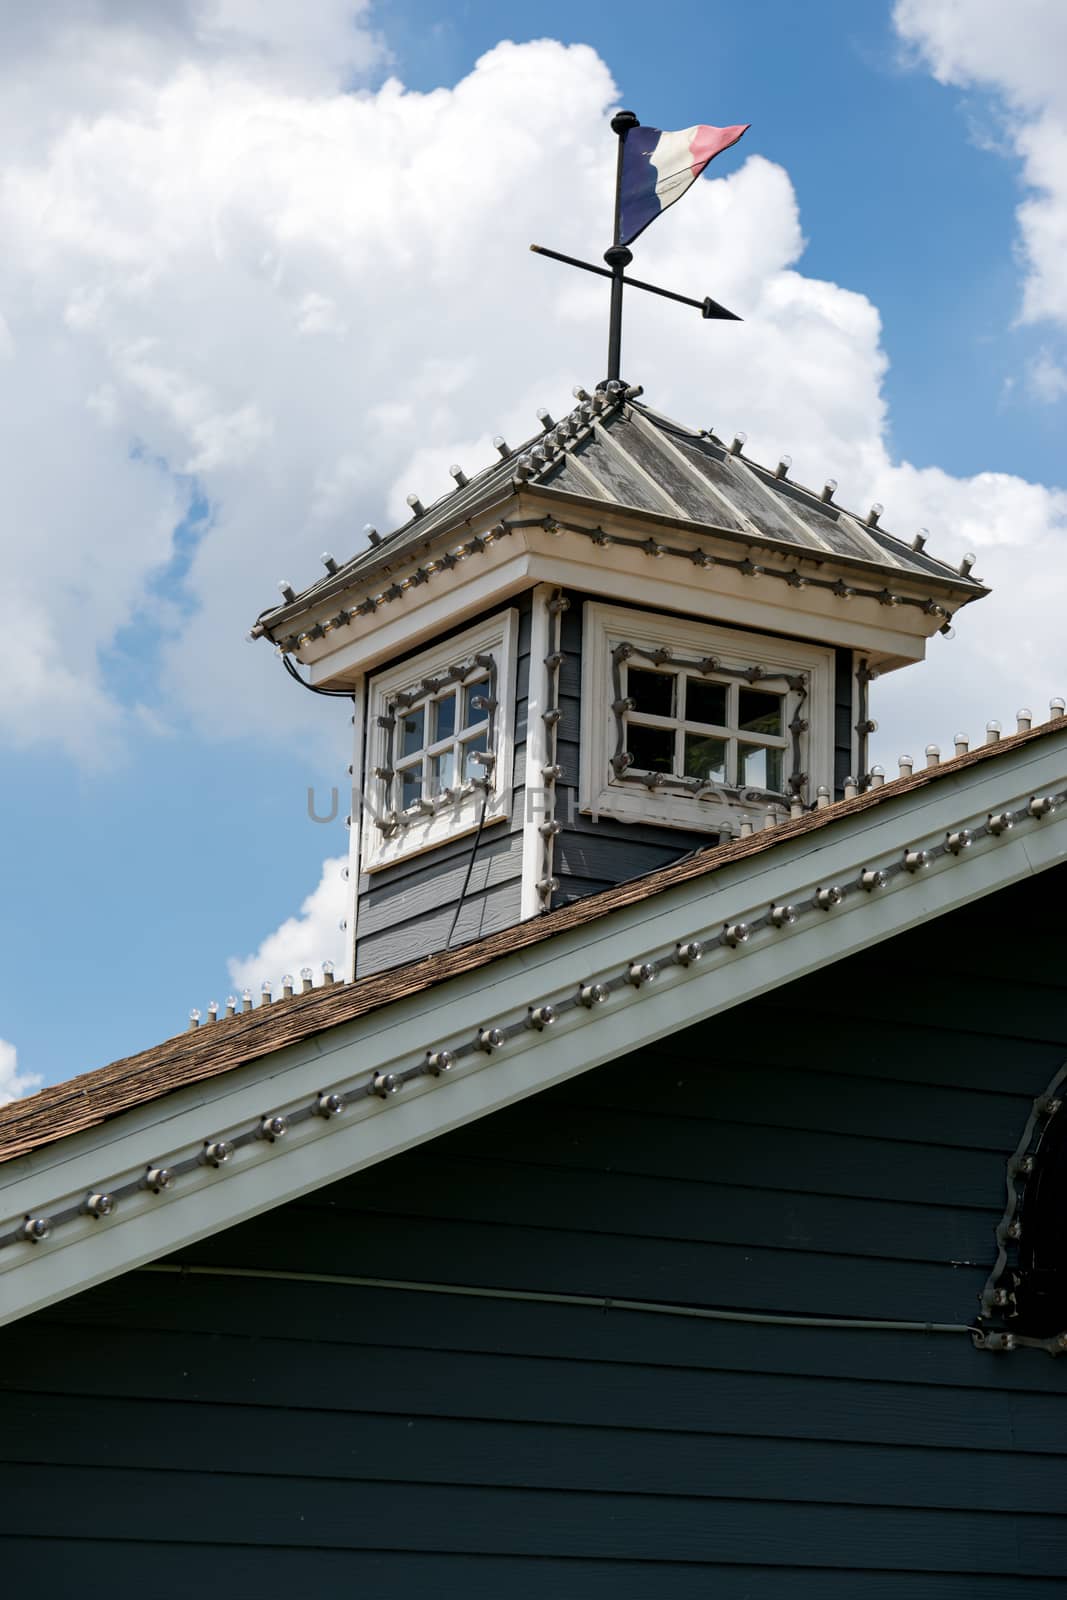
pixel 808 517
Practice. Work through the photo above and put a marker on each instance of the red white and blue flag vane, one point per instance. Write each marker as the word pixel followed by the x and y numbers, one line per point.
pixel 654 170
pixel 658 168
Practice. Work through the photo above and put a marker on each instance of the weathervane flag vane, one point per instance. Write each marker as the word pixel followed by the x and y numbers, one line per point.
pixel 654 170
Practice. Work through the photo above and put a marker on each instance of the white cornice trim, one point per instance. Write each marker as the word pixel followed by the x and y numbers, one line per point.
pixel 535 556
pixel 425 613
pixel 83 1251
pixel 738 602
pixel 495 561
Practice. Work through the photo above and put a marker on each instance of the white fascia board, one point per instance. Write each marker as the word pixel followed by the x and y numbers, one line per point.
pixel 428 611
pixel 737 600
pixel 629 522
pixel 260 1176
pixel 529 555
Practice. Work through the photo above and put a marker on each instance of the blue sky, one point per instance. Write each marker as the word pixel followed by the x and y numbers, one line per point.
pixel 898 198
pixel 155 767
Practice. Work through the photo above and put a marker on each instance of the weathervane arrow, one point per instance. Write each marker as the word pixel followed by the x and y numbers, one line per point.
pixel 653 171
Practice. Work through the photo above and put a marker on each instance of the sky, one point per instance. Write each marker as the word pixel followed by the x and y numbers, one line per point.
pixel 266 272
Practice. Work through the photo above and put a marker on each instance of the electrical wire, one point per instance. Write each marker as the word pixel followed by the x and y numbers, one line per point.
pixel 313 688
pixel 470 864
pixel 589 1301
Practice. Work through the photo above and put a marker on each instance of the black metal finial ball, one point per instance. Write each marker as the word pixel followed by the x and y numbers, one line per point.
pixel 623 121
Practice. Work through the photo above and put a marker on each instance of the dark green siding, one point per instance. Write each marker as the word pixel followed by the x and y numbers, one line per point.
pixel 836 1149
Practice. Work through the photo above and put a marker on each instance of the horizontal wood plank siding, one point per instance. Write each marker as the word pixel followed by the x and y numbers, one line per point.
pixel 835 1149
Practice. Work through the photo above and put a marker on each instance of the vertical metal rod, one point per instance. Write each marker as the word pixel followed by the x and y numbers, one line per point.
pixel 618 257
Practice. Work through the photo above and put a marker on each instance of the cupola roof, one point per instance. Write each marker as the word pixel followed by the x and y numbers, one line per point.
pixel 612 451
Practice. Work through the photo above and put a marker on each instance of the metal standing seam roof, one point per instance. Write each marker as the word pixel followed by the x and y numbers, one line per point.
pixel 209 1051
pixel 613 451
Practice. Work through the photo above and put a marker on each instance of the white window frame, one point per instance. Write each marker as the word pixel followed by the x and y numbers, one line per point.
pixel 496 636
pixel 602 793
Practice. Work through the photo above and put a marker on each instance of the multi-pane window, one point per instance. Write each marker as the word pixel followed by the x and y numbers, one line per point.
pixel 439 743
pixel 442 739
pixel 690 724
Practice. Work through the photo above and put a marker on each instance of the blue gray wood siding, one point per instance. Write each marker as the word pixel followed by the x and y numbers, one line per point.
pixel 837 1149
pixel 844 718
pixel 405 911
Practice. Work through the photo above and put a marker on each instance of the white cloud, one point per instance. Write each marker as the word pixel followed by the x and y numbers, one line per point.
pixel 13 1083
pixel 306 940
pixel 1047 378
pixel 218 267
pixel 69 59
pixel 1019 57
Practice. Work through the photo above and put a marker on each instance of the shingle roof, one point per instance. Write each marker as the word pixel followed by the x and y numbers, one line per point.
pixel 209 1051
pixel 612 450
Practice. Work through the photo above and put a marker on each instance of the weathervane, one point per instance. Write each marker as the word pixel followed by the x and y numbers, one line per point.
pixel 654 169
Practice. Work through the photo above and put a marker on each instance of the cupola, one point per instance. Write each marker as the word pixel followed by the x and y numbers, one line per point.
pixel 622 641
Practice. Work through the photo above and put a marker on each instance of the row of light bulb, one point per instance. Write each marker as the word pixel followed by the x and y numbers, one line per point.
pixel 266 994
